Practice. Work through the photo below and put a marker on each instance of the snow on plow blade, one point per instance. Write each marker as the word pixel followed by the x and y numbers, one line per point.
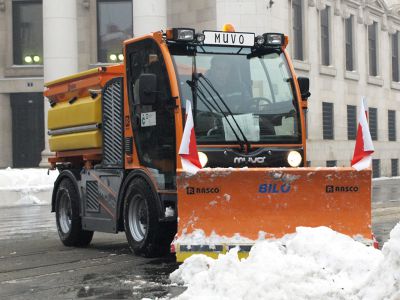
pixel 222 208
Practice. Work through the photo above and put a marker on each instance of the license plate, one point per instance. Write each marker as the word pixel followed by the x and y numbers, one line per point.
pixel 229 38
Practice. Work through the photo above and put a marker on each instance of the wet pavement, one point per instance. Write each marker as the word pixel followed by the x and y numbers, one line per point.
pixel 35 265
pixel 385 207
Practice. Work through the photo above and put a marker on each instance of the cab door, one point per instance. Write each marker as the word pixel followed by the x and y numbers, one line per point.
pixel 153 124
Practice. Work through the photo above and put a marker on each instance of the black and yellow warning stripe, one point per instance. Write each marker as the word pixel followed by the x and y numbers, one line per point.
pixel 185 251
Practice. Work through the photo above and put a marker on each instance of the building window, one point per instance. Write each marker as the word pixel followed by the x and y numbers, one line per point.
pixel 376 168
pixel 392 125
pixel 395 167
pixel 331 163
pixel 27 23
pixel 327 122
pixel 349 43
pixel 373 123
pixel 297 29
pixel 114 25
pixel 372 49
pixel 351 122
pixel 325 39
pixel 395 57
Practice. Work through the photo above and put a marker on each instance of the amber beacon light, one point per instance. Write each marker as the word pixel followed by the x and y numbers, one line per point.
pixel 228 28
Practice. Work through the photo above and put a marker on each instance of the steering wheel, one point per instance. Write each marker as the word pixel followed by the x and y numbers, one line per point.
pixel 207 122
pixel 214 131
pixel 255 104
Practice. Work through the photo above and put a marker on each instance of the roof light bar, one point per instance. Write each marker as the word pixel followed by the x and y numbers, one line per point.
pixel 260 40
pixel 274 39
pixel 181 34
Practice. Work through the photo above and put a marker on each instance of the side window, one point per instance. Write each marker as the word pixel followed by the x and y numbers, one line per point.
pixel 154 125
pixel 146 58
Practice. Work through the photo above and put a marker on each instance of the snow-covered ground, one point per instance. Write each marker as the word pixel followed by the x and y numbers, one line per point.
pixel 26 186
pixel 313 263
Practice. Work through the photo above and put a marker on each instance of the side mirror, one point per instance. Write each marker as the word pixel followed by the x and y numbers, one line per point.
pixel 304 84
pixel 145 89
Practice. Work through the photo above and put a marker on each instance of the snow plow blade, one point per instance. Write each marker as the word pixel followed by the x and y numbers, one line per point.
pixel 223 208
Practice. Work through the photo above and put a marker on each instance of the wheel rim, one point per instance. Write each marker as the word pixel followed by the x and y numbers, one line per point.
pixel 65 212
pixel 138 218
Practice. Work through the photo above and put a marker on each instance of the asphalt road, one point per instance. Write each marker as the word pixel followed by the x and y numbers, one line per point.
pixel 385 207
pixel 35 265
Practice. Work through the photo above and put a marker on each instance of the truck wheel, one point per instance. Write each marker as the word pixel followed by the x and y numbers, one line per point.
pixel 145 234
pixel 68 220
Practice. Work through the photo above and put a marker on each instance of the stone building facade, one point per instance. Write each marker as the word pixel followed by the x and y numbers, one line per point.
pixel 348 49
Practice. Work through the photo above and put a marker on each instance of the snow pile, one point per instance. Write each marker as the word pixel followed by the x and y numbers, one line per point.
pixel 314 263
pixel 384 281
pixel 26 186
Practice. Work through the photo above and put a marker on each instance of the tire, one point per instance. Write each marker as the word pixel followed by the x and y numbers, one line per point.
pixel 69 224
pixel 145 234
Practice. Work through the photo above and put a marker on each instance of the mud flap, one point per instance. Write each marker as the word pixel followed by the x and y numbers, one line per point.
pixel 223 208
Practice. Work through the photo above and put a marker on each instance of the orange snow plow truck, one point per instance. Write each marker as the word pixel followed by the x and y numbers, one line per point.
pixel 116 132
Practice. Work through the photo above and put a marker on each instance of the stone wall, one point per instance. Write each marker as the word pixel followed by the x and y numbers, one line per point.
pixel 200 14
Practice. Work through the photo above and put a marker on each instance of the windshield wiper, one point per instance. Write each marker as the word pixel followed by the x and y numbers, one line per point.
pixel 207 103
pixel 200 75
pixel 202 97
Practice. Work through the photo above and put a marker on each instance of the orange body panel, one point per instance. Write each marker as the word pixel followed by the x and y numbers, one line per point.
pixel 274 200
pixel 78 85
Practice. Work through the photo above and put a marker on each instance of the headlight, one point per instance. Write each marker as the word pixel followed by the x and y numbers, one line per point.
pixel 274 39
pixel 294 158
pixel 203 158
pixel 180 34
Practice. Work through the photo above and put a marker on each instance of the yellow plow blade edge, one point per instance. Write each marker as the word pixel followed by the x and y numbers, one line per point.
pixel 232 207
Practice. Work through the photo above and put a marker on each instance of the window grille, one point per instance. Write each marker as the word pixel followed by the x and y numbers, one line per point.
pixel 351 122
pixel 327 122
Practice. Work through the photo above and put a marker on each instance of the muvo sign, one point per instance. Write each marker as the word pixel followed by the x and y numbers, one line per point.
pixel 228 38
pixel 252 160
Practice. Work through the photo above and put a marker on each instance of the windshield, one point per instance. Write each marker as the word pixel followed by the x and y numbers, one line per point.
pixel 236 95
